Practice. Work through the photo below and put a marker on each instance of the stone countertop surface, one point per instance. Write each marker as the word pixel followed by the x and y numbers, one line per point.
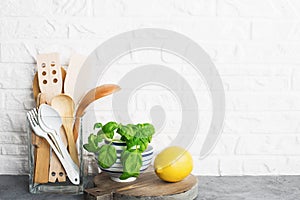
pixel 210 188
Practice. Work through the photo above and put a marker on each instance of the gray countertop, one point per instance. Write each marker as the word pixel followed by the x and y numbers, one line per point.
pixel 210 188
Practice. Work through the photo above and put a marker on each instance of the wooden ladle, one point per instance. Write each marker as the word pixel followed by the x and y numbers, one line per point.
pixel 90 97
pixel 65 106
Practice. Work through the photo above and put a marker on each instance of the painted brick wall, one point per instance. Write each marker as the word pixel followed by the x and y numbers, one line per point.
pixel 255 45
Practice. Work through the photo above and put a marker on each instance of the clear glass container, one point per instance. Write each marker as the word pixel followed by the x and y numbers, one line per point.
pixel 46 174
pixel 90 170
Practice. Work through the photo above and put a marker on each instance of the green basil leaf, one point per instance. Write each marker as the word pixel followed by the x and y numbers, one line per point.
pixel 126 175
pixel 130 144
pixel 90 148
pixel 100 135
pixel 100 132
pixel 107 156
pixel 126 131
pixel 97 125
pixel 92 145
pixel 109 135
pixel 123 138
pixel 124 156
pixel 148 130
pixel 110 127
pixel 133 163
pixel 143 146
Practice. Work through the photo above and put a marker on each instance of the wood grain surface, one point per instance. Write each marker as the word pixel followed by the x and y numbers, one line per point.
pixel 147 186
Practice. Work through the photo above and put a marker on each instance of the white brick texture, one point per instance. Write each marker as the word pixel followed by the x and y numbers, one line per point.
pixel 254 44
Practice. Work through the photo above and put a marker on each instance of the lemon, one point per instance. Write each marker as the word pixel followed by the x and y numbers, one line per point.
pixel 173 164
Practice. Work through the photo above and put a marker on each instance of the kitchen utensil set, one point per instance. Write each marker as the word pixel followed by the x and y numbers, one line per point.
pixel 53 124
pixel 51 134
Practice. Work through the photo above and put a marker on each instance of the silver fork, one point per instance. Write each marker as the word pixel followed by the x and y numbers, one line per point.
pixel 72 172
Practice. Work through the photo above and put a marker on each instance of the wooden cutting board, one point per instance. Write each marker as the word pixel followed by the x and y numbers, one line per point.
pixel 146 186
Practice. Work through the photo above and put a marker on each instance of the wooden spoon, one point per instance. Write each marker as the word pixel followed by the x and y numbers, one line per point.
pixel 90 97
pixel 65 106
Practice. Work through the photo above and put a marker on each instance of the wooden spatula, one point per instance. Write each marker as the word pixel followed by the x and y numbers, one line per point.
pixel 76 61
pixel 35 83
pixel 51 83
pixel 42 153
pixel 49 75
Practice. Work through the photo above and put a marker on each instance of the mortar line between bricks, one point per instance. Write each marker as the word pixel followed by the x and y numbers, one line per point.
pixel 215 62
pixel 199 41
pixel 142 18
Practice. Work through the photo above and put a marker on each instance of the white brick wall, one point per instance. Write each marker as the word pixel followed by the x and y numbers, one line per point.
pixel 255 45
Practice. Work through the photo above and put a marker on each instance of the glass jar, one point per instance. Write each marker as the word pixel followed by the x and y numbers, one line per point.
pixel 46 173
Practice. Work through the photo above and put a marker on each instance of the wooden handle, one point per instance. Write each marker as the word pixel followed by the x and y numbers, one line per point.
pixel 65 106
pixel 75 63
pixel 91 96
pixel 42 153
pixel 76 128
pixel 57 172
pixel 94 94
pixel 71 142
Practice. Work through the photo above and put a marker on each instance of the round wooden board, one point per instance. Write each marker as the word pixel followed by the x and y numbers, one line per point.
pixel 146 186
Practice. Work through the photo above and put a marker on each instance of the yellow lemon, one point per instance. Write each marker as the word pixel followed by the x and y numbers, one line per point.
pixel 173 164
